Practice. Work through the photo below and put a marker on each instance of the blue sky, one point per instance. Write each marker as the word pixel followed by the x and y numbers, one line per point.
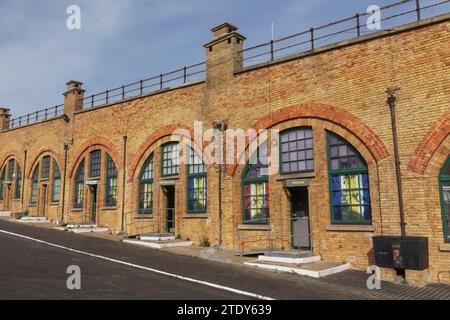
pixel 125 40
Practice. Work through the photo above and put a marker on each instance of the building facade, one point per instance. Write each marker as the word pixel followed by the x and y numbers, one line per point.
pixel 118 164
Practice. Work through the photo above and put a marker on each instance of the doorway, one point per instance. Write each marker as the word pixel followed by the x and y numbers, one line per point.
pixel 170 209
pixel 8 197
pixel 300 225
pixel 93 208
pixel 43 202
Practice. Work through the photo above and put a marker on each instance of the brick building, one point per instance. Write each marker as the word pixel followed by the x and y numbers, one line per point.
pixel 110 159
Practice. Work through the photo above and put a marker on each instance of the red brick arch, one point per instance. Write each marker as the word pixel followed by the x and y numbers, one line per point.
pixel 11 155
pixel 39 154
pixel 96 142
pixel 429 144
pixel 154 137
pixel 328 113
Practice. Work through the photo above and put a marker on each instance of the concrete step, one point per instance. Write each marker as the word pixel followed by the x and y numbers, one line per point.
pixel 31 219
pixel 314 269
pixel 291 260
pixel 88 230
pixel 159 244
pixel 156 237
pixel 82 225
pixel 5 214
pixel 288 254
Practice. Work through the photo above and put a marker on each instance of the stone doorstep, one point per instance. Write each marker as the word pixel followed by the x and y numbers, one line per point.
pixel 81 226
pixel 87 230
pixel 32 220
pixel 5 214
pixel 293 260
pixel 159 244
pixel 155 238
pixel 317 269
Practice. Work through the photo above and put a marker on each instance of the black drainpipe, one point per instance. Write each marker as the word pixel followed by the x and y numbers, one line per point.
pixel 66 148
pixel 125 139
pixel 392 99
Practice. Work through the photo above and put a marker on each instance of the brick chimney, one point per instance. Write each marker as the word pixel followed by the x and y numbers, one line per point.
pixel 73 98
pixel 5 118
pixel 222 55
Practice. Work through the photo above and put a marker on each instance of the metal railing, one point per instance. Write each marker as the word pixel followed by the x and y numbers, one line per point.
pixel 157 222
pixel 392 15
pixel 38 116
pixel 278 231
pixel 160 82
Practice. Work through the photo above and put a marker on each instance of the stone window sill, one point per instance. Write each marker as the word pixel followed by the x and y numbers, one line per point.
pixel 195 216
pixel 77 210
pixel 350 228
pixel 108 208
pixel 143 216
pixel 256 227
pixel 444 247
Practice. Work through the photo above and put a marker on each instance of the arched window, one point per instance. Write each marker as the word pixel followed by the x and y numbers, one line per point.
pixel 18 184
pixel 79 187
pixel 2 184
pixel 11 169
pixel 145 204
pixel 255 185
pixel 444 186
pixel 111 182
pixel 349 183
pixel 296 150
pixel 56 185
pixel 170 159
pixel 34 185
pixel 196 183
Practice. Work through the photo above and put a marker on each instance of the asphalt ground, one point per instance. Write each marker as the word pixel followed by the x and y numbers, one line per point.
pixel 36 268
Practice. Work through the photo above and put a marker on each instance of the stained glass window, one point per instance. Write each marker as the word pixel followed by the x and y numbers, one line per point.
pixel 256 188
pixel 197 187
pixel 349 179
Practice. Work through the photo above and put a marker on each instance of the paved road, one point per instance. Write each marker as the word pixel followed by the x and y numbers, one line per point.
pixel 34 270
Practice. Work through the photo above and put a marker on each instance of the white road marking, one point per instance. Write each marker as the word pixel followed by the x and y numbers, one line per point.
pixel 209 284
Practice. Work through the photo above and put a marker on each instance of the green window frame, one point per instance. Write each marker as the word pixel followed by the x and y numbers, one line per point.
pixel 45 171
pixel 34 185
pixel 95 163
pixel 78 199
pixel 11 167
pixel 145 194
pixel 296 150
pixel 18 183
pixel 110 182
pixel 56 184
pixel 2 184
pixel 170 159
pixel 255 189
pixel 349 186
pixel 196 184
pixel 444 190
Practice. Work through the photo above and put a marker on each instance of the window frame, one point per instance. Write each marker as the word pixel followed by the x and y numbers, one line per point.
pixel 108 177
pixel 151 181
pixel 345 172
pixel 98 163
pixel 287 131
pixel 2 183
pixel 11 173
pixel 56 178
pixel 189 176
pixel 444 180
pixel 45 169
pixel 35 185
pixel 18 183
pixel 77 181
pixel 177 166
pixel 250 181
